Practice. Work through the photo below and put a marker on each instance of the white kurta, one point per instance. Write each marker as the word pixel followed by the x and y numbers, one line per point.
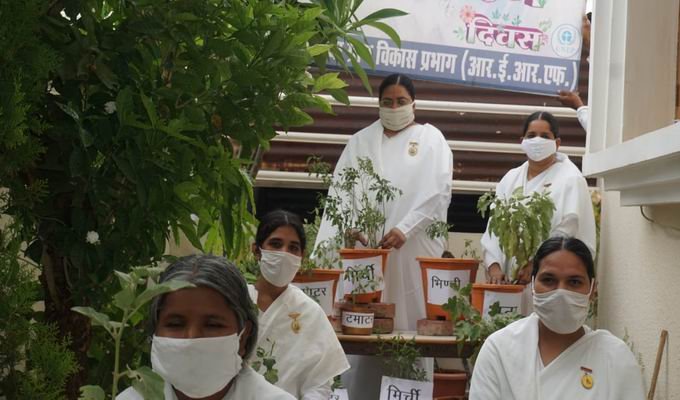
pixel 308 360
pixel 248 385
pixel 509 367
pixel 568 189
pixel 425 179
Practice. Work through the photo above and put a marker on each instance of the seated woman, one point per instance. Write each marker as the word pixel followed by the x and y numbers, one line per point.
pixel 306 350
pixel 202 334
pixel 551 354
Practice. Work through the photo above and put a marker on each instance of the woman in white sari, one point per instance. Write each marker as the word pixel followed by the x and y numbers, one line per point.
pixel 545 170
pixel 292 325
pixel 551 355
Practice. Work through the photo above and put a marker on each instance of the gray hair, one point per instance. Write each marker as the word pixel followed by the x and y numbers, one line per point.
pixel 219 274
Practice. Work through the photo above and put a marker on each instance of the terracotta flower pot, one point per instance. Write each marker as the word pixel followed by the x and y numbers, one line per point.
pixel 449 384
pixel 357 320
pixel 353 254
pixel 479 291
pixel 438 275
pixel 320 275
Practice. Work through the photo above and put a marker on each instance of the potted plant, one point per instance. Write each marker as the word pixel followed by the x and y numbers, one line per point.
pixel 403 375
pixel 319 277
pixel 440 274
pixel 355 205
pixel 357 316
pixel 521 223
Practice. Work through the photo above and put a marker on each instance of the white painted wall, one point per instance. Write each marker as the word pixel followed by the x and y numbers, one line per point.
pixel 633 92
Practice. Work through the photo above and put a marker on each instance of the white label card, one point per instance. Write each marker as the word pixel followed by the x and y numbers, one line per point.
pixel 440 284
pixel 404 389
pixel 339 394
pixel 357 320
pixel 321 292
pixel 353 269
pixel 509 302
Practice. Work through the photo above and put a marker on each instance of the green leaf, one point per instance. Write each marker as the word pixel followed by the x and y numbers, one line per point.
pixel 124 299
pixel 339 95
pixel 362 51
pixel 147 383
pixel 91 392
pixel 95 317
pixel 385 13
pixel 328 81
pixel 159 289
pixel 150 109
pixel 388 30
pixel 317 49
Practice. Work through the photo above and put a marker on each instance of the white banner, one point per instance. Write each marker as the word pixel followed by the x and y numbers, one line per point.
pixel 440 284
pixel 321 292
pixel 360 271
pixel 404 389
pixel 521 45
pixel 509 302
pixel 339 394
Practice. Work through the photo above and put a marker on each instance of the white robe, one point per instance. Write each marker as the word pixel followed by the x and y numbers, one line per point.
pixel 568 189
pixel 248 385
pixel 307 361
pixel 425 179
pixel 509 367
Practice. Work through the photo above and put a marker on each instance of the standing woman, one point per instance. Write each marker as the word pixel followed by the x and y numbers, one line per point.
pixel 546 169
pixel 551 355
pixel 307 352
pixel 416 159
pixel 202 335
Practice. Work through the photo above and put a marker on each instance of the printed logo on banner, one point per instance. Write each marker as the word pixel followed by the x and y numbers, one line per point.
pixel 440 284
pixel 363 270
pixel 339 394
pixel 509 302
pixel 566 41
pixel 404 389
pixel 321 292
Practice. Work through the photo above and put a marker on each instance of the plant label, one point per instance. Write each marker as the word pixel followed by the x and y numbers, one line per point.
pixel 440 284
pixel 357 320
pixel 321 292
pixel 404 389
pixel 365 274
pixel 509 302
pixel 339 394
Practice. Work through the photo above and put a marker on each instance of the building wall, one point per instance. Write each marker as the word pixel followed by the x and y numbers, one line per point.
pixel 639 272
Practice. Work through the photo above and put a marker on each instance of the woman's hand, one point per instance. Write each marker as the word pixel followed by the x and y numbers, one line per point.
pixel 524 275
pixel 495 274
pixel 394 238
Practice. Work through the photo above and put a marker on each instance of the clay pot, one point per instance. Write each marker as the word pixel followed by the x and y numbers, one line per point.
pixel 449 384
pixel 353 254
pixel 479 290
pixel 357 319
pixel 438 274
pixel 320 275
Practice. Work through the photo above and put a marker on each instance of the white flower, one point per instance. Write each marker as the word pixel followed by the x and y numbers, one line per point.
pixel 194 218
pixel 92 237
pixel 110 107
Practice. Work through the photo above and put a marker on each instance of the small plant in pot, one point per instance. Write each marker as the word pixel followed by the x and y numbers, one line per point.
pixel 355 206
pixel 404 377
pixel 439 275
pixel 357 317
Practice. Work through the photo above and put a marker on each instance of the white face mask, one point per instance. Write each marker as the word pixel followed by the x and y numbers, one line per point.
pixel 279 267
pixel 197 367
pixel 538 148
pixel 396 119
pixel 562 311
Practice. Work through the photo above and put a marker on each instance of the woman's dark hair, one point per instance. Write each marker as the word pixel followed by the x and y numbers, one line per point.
pixel 577 247
pixel 219 274
pixel 274 220
pixel 397 79
pixel 543 116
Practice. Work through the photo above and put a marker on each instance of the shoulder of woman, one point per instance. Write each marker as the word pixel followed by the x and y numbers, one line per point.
pixel 610 345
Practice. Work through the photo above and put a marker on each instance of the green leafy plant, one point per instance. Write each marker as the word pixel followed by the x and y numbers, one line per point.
pixel 521 223
pixel 265 358
pixel 471 328
pixel 325 253
pixel 356 202
pixel 400 358
pixel 440 230
pixel 137 289
pixel 362 279
pixel 126 123
pixel 469 251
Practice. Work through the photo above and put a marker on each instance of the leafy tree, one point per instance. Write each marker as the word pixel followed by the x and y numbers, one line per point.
pixel 127 122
